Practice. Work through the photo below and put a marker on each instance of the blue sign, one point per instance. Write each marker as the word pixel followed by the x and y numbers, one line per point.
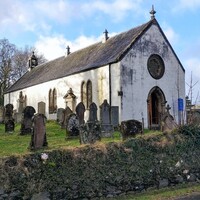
pixel 180 104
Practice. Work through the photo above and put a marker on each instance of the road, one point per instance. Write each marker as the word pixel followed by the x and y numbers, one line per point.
pixel 192 196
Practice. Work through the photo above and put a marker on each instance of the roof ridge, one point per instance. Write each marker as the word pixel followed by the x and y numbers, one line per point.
pixel 93 56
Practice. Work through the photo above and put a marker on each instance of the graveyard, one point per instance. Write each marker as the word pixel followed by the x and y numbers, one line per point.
pixel 16 144
pixel 71 158
pixel 66 169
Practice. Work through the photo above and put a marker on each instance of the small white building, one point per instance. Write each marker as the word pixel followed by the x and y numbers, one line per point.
pixel 137 71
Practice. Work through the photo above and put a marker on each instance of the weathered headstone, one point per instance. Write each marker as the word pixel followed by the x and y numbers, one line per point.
pixel 105 118
pixel 9 120
pixel 41 107
pixel 38 138
pixel 66 112
pixel 59 115
pixel 22 102
pixel 1 114
pixel 72 126
pixel 18 117
pixel 27 123
pixel 92 112
pixel 91 131
pixel 130 128
pixel 115 116
pixel 168 123
pixel 70 99
pixel 80 110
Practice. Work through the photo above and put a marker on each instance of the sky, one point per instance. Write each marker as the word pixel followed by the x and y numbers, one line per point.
pixel 52 25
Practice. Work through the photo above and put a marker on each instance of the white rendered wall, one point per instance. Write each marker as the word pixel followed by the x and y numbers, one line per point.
pixel 115 86
pixel 37 93
pixel 136 81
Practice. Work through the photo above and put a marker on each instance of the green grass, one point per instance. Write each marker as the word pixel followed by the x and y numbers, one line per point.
pixel 16 144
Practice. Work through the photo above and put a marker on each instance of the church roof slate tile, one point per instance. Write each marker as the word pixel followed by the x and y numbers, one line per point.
pixel 91 57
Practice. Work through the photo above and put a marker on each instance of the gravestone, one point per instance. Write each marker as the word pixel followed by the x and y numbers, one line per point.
pixel 130 128
pixel 1 114
pixel 105 119
pixel 41 107
pixel 9 120
pixel 70 99
pixel 18 117
pixel 72 126
pixel 38 138
pixel 91 131
pixel 195 117
pixel 92 113
pixel 66 112
pixel 168 123
pixel 27 124
pixel 115 116
pixel 80 110
pixel 22 102
pixel 59 115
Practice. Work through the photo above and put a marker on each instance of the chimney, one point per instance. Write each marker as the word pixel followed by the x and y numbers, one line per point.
pixel 68 51
pixel 105 36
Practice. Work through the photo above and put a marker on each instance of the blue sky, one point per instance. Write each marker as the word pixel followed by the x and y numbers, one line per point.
pixel 51 25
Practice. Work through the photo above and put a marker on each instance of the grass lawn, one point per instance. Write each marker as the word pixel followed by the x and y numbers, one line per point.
pixel 16 144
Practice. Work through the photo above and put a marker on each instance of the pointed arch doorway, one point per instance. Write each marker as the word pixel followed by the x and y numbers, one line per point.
pixel 156 106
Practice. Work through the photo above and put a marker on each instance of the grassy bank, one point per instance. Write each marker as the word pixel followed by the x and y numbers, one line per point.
pixel 16 144
pixel 109 168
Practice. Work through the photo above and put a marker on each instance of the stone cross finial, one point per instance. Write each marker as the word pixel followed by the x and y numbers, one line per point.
pixel 168 108
pixel 152 12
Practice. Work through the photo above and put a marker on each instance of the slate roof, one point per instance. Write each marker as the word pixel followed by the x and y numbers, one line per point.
pixel 91 57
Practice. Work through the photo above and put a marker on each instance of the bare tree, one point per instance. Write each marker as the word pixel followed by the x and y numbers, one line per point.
pixel 20 61
pixel 7 51
pixel 14 63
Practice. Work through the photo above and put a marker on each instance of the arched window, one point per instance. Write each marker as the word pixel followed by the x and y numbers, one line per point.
pixel 86 93
pixel 83 94
pixel 89 93
pixel 52 101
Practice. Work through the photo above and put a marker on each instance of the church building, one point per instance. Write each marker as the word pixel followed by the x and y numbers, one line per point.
pixel 136 71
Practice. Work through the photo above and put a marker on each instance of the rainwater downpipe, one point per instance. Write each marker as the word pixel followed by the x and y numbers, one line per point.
pixel 110 90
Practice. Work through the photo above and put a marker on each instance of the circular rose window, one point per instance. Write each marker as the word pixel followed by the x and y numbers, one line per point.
pixel 156 66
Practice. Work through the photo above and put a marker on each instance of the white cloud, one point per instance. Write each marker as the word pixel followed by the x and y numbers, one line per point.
pixel 193 65
pixel 55 46
pixel 171 35
pixel 187 4
pixel 20 16
pixel 117 9
pixel 43 16
pixel 59 11
pixel 51 47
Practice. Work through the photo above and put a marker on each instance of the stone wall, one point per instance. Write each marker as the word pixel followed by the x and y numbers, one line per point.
pixel 102 170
